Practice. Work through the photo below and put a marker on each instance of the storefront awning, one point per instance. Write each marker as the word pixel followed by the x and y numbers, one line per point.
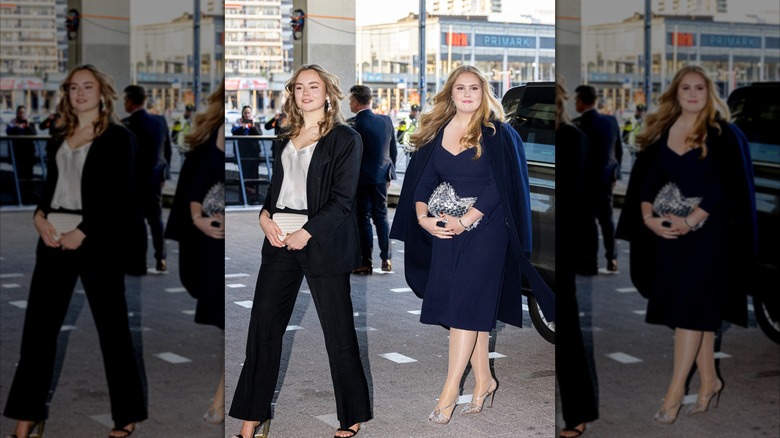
pixel 246 84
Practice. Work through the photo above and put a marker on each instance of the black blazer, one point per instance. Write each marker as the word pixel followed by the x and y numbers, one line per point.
pixel 154 146
pixel 331 187
pixel 380 150
pixel 106 185
pixel 605 150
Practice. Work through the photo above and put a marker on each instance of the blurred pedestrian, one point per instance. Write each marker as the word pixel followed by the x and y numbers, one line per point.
pixel 182 126
pixel 83 210
pixel 153 168
pixel 23 149
pixel 408 125
pixel 690 215
pixel 577 384
pixel 197 222
pixel 276 124
pixel 377 169
pixel 249 151
pixel 465 264
pixel 605 152
pixel 308 217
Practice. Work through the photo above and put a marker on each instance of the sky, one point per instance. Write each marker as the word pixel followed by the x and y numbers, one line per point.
pixel 611 11
pixel 157 11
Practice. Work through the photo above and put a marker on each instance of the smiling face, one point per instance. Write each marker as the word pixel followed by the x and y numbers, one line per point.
pixel 246 113
pixel 692 93
pixel 84 92
pixel 467 93
pixel 309 91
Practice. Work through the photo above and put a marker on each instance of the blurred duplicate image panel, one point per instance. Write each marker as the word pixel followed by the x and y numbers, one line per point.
pixel 632 63
pixel 163 61
pixel 404 58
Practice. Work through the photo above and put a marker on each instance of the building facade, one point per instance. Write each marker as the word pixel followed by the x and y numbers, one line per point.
pixel 161 60
pixel 258 53
pixel 508 53
pixel 734 54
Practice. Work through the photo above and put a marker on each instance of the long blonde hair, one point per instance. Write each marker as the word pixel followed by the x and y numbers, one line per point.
pixel 444 110
pixel 333 115
pixel 657 122
pixel 205 123
pixel 108 95
pixel 561 96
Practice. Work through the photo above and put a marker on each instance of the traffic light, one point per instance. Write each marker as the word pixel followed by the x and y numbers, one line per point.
pixel 72 20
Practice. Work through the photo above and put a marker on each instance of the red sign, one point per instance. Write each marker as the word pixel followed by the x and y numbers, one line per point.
pixel 682 39
pixel 458 39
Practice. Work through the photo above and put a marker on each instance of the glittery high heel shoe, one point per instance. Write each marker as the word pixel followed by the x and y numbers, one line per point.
pixel 664 416
pixel 474 408
pixel 213 417
pixel 438 417
pixel 703 403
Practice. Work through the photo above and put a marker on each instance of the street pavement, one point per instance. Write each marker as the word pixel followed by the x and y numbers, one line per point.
pixel 634 362
pixel 183 359
pixel 405 360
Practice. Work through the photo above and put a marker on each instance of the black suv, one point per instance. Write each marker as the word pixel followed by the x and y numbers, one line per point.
pixel 530 109
pixel 755 109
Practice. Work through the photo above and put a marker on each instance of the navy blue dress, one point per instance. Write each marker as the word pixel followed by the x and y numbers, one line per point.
pixel 464 285
pixel 687 290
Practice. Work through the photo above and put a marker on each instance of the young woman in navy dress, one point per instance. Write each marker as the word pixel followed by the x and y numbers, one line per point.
pixel 472 264
pixel 690 267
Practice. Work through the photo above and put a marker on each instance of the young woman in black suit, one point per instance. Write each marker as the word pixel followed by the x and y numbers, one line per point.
pixel 315 176
pixel 89 180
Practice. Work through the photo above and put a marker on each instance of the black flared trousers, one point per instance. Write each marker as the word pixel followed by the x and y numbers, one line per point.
pixel 52 285
pixel 277 287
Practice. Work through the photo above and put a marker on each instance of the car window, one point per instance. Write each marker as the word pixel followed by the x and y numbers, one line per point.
pixel 756 111
pixel 530 109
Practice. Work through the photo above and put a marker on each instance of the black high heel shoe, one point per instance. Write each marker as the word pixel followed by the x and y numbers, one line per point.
pixel 265 425
pixel 36 430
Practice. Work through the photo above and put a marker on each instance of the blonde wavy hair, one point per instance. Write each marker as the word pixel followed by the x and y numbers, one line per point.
pixel 444 110
pixel 657 122
pixel 205 123
pixel 561 96
pixel 69 120
pixel 333 115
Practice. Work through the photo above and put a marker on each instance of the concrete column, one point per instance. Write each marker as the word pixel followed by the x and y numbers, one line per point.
pixel 328 40
pixel 103 40
pixel 568 46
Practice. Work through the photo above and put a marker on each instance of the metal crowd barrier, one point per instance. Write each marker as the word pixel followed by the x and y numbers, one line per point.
pixel 248 169
pixel 9 164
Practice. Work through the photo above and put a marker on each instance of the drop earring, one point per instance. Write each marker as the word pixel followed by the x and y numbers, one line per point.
pixel 327 104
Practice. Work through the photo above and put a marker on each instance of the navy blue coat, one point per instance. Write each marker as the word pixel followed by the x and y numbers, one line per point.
pixel 154 146
pixel 605 150
pixel 510 171
pixel 731 152
pixel 380 150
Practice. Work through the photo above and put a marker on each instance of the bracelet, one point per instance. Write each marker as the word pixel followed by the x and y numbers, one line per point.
pixel 470 227
pixel 647 216
pixel 685 221
pixel 421 216
pixel 197 217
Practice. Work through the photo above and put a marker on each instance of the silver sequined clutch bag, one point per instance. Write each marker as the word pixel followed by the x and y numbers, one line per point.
pixel 214 201
pixel 445 200
pixel 670 200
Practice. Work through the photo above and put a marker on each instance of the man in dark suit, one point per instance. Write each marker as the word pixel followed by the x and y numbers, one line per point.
pixel 152 169
pixel 604 154
pixel 377 168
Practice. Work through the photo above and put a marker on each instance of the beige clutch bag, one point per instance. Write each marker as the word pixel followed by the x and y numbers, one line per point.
pixel 63 222
pixel 289 222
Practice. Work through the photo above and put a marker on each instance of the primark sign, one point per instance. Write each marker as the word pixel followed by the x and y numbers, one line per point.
pixel 497 41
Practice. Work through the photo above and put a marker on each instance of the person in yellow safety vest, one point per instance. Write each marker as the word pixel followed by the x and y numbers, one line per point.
pixel 632 127
pixel 407 126
pixel 182 126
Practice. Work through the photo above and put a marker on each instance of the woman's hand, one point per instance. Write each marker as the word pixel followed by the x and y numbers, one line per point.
pixel 272 231
pixel 72 239
pixel 656 225
pixel 678 224
pixel 429 225
pixel 46 230
pixel 297 240
pixel 204 224
pixel 454 223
